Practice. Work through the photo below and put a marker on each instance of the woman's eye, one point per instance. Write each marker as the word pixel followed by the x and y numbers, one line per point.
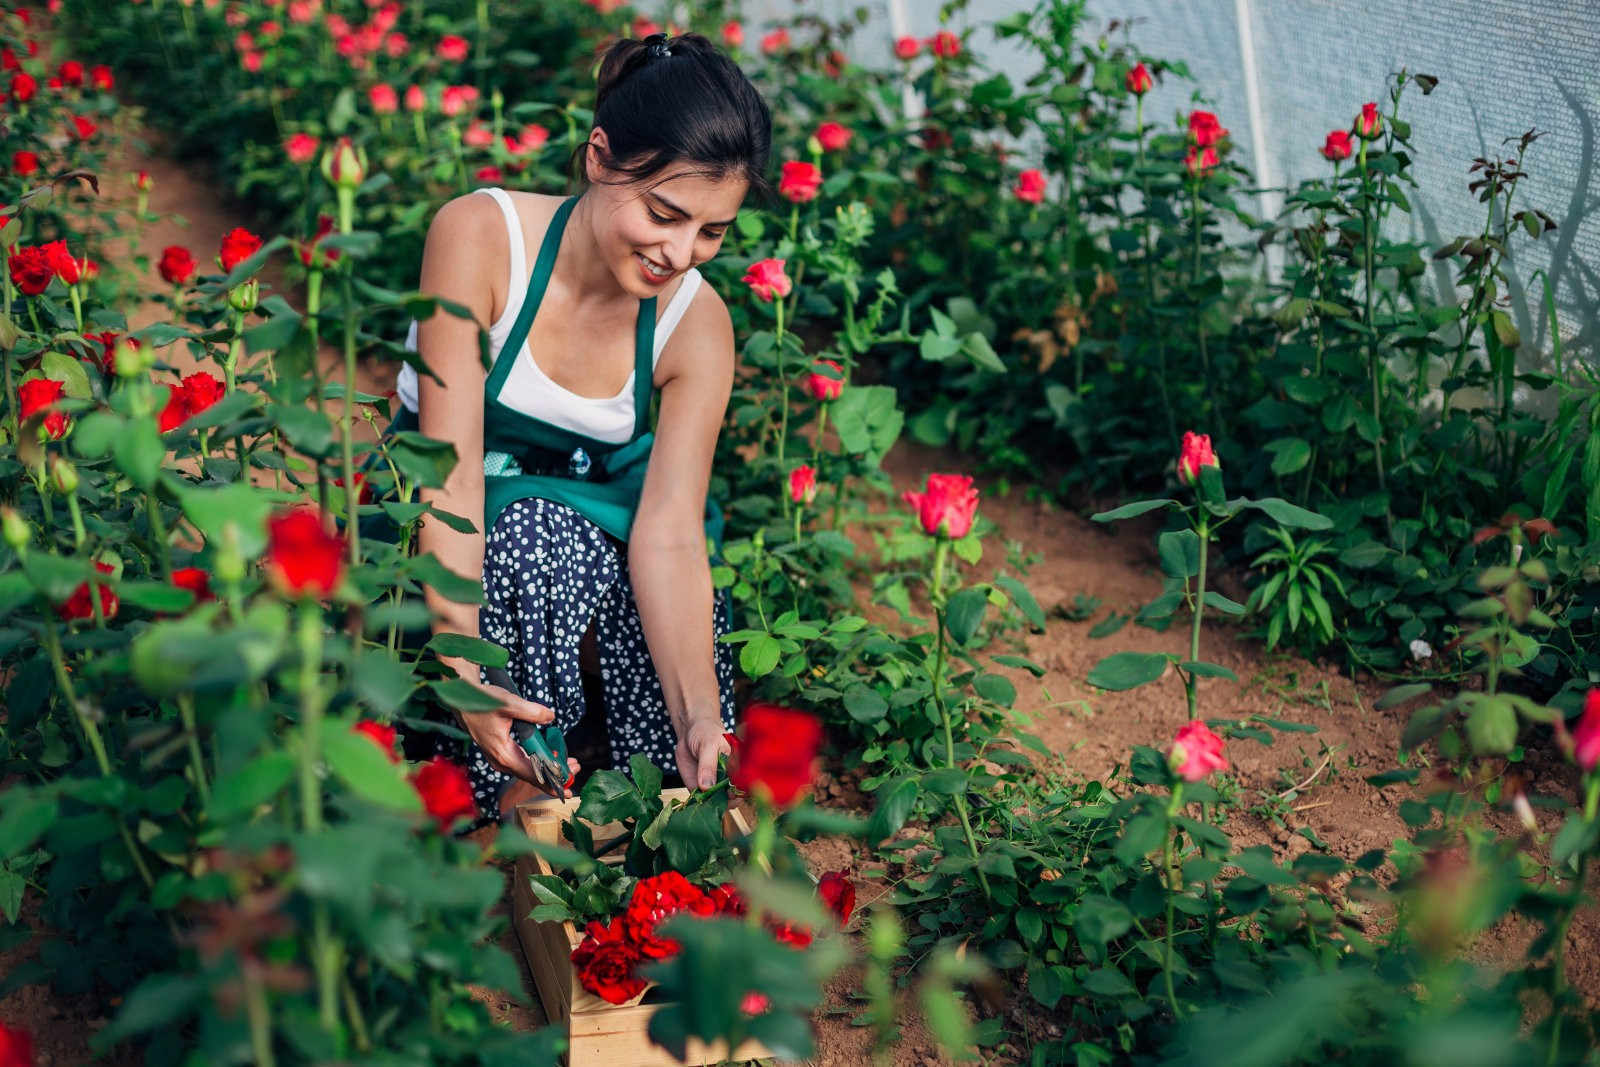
pixel 660 219
pixel 711 235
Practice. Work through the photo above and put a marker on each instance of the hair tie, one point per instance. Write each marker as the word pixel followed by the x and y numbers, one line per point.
pixel 658 46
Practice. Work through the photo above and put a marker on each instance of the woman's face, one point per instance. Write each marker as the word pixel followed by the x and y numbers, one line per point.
pixel 651 232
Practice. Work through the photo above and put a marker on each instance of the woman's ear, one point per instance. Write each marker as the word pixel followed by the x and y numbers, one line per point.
pixel 594 167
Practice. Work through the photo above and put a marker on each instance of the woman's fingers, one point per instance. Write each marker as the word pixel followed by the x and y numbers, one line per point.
pixel 526 710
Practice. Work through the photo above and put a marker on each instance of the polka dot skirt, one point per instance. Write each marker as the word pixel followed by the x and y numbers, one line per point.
pixel 548 572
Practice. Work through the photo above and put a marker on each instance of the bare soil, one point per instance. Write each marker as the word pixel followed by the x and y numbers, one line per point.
pixel 1092 730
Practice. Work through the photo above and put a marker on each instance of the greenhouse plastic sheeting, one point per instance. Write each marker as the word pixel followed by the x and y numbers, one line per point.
pixel 1504 66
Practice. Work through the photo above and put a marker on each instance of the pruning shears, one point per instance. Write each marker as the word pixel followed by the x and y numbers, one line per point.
pixel 547 748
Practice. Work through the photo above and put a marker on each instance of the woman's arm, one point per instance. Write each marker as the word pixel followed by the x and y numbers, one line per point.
pixel 667 546
pixel 455 266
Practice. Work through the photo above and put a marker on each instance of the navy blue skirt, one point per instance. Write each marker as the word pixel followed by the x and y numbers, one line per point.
pixel 548 574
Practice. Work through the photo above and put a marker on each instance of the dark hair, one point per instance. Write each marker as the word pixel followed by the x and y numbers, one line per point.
pixel 665 99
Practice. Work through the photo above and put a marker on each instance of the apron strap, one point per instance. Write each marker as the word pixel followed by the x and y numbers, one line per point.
pixel 542 270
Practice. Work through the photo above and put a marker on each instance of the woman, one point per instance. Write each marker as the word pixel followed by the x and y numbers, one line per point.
pixel 596 531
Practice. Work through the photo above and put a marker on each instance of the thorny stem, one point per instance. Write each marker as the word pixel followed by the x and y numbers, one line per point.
pixel 1369 271
pixel 1174 885
pixel 944 711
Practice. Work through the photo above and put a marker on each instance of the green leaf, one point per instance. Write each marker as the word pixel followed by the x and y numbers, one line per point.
pixel 362 765
pixel 996 689
pixel 446 582
pixel 610 796
pixel 139 451
pixel 308 430
pixel 1216 600
pixel 1143 834
pixel 691 835
pixel 1202 669
pixel 646 775
pixel 69 371
pixel 381 682
pixel 1128 670
pixel 964 614
pixel 155 596
pixel 1400 694
pixel 1289 454
pixel 250 786
pixel 1492 727
pixel 982 354
pixel 462 695
pixel 25 818
pixel 1288 514
pixel 1023 599
pixel 1021 663
pixel 472 649
pixel 240 506
pixel 1128 511
pixel 1179 553
pixel 895 806
pixel 759 656
pixel 1101 919
pixel 157 1001
pixel 1109 982
pixel 864 705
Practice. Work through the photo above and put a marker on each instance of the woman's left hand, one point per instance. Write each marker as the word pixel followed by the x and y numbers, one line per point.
pixel 698 749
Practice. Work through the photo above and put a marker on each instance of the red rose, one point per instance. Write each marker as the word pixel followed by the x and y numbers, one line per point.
pixel 32 268
pixel 100 77
pixel 803 484
pixel 175 412
pixel 71 73
pixel 383 98
pixel 200 391
pixel 907 47
pixel 16 1047
pixel 944 44
pixel 85 128
pixel 24 163
pixel 833 63
pixel 303 558
pixel 1204 129
pixel 457 98
pixel 1369 123
pixel 1195 453
pixel 238 245
pixel 755 1004
pixel 727 900
pixel 800 181
pixel 777 752
pixel 196 581
pixel 775 42
pixel 823 386
pixel 9 60
pixel 23 87
pixel 1030 186
pixel 654 900
pixel 644 27
pixel 363 490
pixel 833 137
pixel 38 394
pixel 453 48
pixel 489 173
pixel 1196 752
pixel 1139 81
pixel 767 280
pixel 251 61
pixel 607 962
pixel 1337 146
pixel 107 362
pixel 788 933
pixel 1586 738
pixel 733 34
pixel 477 135
pixel 445 790
pixel 395 45
pixel 1200 161
pixel 311 252
pixel 946 505
pixel 177 264
pixel 300 148
pixel 415 98
pixel 68 269
pixel 936 140
pixel 79 606
pixel 381 734
pixel 533 137
pixel 839 894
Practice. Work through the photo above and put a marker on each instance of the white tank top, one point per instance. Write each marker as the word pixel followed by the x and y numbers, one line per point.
pixel 527 388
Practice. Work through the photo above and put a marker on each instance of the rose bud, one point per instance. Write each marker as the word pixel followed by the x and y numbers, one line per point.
pixel 1369 123
pixel 1139 81
pixel 345 165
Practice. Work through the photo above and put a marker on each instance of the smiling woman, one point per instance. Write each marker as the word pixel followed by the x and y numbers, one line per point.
pixel 594 558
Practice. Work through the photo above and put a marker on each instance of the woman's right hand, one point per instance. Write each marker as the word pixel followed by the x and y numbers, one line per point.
pixel 492 729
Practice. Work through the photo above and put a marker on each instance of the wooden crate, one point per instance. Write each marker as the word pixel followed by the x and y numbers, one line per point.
pixel 600 1034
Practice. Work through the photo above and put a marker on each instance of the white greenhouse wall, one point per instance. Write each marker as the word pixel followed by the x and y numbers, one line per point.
pixel 1504 66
